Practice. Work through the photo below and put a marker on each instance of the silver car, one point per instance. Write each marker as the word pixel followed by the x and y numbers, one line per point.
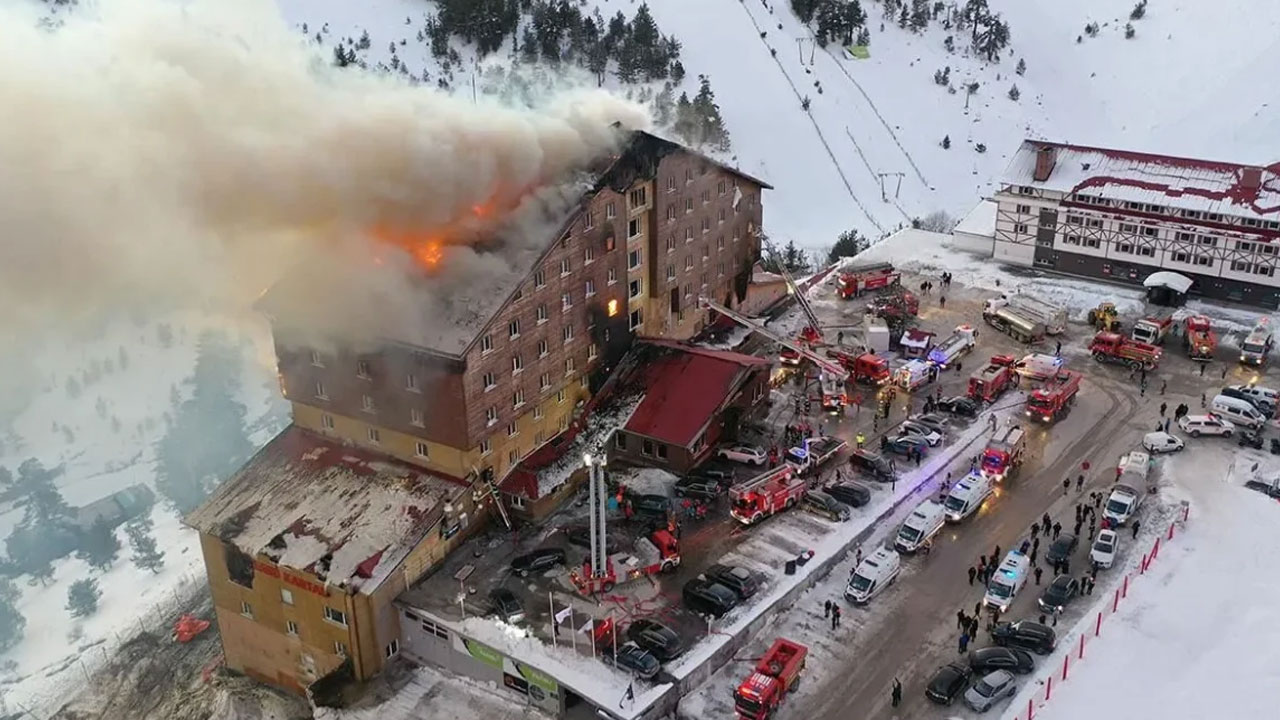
pixel 991 689
pixel 919 432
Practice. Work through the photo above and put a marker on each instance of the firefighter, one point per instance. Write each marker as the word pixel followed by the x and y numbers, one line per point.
pixel 861 439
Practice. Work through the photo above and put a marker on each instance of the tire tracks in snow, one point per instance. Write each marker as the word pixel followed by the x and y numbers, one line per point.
pixel 816 128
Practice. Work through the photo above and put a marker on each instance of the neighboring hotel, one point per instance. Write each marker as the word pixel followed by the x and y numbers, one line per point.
pixel 1123 215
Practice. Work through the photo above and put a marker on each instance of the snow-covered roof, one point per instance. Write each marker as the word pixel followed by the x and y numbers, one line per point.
pixel 1174 281
pixel 981 220
pixel 341 514
pixel 1184 183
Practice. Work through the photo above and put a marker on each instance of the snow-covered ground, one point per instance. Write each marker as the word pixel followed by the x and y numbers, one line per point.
pixel 1199 635
pixel 106 452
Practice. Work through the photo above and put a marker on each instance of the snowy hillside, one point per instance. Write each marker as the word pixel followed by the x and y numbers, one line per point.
pixel 879 122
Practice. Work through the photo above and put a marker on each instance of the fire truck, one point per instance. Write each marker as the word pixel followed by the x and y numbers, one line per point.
pixel 660 552
pixel 775 674
pixel 1004 454
pixel 1022 322
pixel 866 368
pixel 1055 398
pixel 946 352
pixel 853 282
pixel 993 379
pixel 1153 329
pixel 813 452
pixel 1199 338
pixel 1109 347
pixel 896 302
pixel 769 492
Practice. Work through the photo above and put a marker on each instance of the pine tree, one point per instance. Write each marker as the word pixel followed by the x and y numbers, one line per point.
pixel 946 142
pixel 974 13
pixel 1014 94
pixel 99 546
pixel 1139 11
pixel 1022 67
pixel 804 9
pixel 711 124
pixel 864 37
pixel 664 106
pixel 677 71
pixel 11 621
pixel 528 46
pixel 686 124
pixel 145 553
pixel 993 38
pixel 82 597
pixel 849 243
pixel 919 15
pixel 1129 32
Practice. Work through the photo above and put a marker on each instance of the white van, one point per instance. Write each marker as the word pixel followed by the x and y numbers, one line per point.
pixel 925 522
pixel 1134 469
pixel 967 496
pixel 876 572
pixel 1238 411
pixel 1007 581
pixel 1122 503
pixel 913 374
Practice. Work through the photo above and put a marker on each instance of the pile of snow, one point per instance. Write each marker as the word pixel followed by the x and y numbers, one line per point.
pixel 646 481
pixel 600 427
pixel 1193 651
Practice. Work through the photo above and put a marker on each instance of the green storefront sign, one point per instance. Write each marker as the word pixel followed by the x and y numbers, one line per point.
pixel 483 653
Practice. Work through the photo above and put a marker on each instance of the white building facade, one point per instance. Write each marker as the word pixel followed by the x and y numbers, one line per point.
pixel 1123 215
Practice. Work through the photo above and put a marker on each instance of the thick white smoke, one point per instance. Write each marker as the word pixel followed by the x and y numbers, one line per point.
pixel 161 153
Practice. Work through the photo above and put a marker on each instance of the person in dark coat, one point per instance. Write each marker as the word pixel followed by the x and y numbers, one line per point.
pixel 1135 529
pixel 1057 529
pixel 972 574
pixel 1044 523
pixel 1066 486
pixel 826 609
pixel 1039 572
pixel 897 693
pixel 962 620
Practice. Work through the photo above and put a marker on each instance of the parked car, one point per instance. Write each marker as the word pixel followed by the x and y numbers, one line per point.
pixel 949 681
pixel 1197 425
pixel 959 405
pixel 1025 634
pixel 1062 548
pixel 744 454
pixel 654 505
pixel 698 486
pixel 869 463
pixel 991 689
pixel 661 641
pixel 850 493
pixel 506 605
pixel 631 656
pixel 936 421
pixel 538 561
pixel 1060 592
pixel 822 504
pixel 722 475
pixel 903 444
pixel 1103 552
pixel 1257 397
pixel 913 429
pixel 581 536
pixel 739 580
pixel 1162 442
pixel 1015 660
pixel 703 595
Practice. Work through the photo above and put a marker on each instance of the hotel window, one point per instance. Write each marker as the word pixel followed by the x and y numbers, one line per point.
pixel 1091 242
pixel 706 225
pixel 566 334
pixel 542 313
pixel 633 228
pixel 588 255
pixel 671 272
pixel 1185 258
pixel 610 211
pixel 411 382
pixel 1129 229
pixel 671 243
pixel 326 421
pixel 246 609
pixel 1020 229
pixel 706 251
pixel 1074 220
pixel 1208 240
pixel 366 404
pixel 671 183
pixel 592 352
pixel 706 196
pixel 537 415
pixel 565 267
pixel 720 243
pixel 1145 251
pixel 490 416
pixel 637 318
pixel 1071 239
pixel 512 429
pixel 291 628
pixel 392 649
pixel 1150 231
pixel 512 457
pixel 720 187
pixel 362 369
pixel 688 175
pixel 1185 237
pixel 688 235
pixel 633 259
pixel 486 344
pixel 490 381
pixel 1024 190
pixel 320 391
pixel 688 205
pixel 564 423
pixel 634 288
pixel 485 447
pixel 421 450
pixel 720 268
pixel 566 301
pixel 1239 266
pixel 1093 223
pixel 1204 260
pixel 560 396
pixel 688 262
pixel 316 359
pixel 569 366
pixel 639 198
pixel 416 417
pixel 591 288
pixel 589 220
pixel 542 348
pixel 339 649
pixel 517 399
pixel 374 435
pixel 1124 248
pixel 671 213
pixel 544 382
pixel 540 279
pixel 613 275
pixel 517 363
pixel 513 329
pixel 1024 209
pixel 1244 247
pixel 1263 270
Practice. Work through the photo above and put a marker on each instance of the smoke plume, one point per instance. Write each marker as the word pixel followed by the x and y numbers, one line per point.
pixel 173 154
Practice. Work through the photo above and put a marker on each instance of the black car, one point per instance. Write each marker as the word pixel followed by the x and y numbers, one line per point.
pixel 506 605
pixel 1061 591
pixel 959 405
pixel 854 494
pixel 706 596
pixel 699 486
pixel 876 466
pixel 736 579
pixel 1062 548
pixel 1015 660
pixel 538 560
pixel 1254 401
pixel 653 505
pixel 661 641
pixel 634 658
pixel 1039 639
pixel 581 536
pixel 948 682
pixel 902 445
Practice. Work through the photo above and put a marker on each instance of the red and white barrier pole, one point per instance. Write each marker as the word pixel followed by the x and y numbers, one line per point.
pixel 1155 549
pixel 1048 688
pixel 1115 604
pixel 1186 510
pixel 1066 661
pixel 1031 708
pixel 1171 531
pixel 1125 591
pixel 1081 646
pixel 1098 629
pixel 1142 569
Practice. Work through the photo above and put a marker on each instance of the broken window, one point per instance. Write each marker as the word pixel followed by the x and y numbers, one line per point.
pixel 239 566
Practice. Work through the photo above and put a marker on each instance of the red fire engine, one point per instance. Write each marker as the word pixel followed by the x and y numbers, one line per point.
pixel 856 281
pixel 1003 455
pixel 766 688
pixel 1109 347
pixel 1056 397
pixel 1199 338
pixel 769 492
pixel 867 368
pixel 993 379
pixel 660 552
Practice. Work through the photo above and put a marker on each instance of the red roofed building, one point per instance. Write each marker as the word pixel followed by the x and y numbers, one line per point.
pixel 1125 215
pixel 694 398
